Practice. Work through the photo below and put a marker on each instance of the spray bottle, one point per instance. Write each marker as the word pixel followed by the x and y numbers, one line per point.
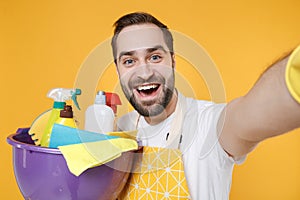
pixel 66 117
pixel 113 101
pixel 99 117
pixel 60 96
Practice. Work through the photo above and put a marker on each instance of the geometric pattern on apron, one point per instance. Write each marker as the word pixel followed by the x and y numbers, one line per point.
pixel 158 174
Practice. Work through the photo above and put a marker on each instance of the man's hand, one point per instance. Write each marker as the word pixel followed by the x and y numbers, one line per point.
pixel 292 74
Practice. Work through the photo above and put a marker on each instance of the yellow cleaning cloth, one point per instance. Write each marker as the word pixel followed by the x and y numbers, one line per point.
pixel 292 75
pixel 80 157
pixel 124 134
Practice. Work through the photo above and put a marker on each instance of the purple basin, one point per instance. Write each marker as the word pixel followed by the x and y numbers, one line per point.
pixel 42 173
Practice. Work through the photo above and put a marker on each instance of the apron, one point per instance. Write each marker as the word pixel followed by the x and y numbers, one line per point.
pixel 158 172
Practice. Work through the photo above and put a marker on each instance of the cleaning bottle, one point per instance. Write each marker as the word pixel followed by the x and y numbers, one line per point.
pixel 66 117
pixel 60 96
pixel 113 101
pixel 99 117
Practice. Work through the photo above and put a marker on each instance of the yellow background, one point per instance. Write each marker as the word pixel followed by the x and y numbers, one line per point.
pixel 43 44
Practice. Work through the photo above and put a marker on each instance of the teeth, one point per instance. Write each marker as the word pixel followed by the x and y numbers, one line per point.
pixel 147 87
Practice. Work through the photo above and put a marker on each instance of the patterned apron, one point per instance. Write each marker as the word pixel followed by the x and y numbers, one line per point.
pixel 158 172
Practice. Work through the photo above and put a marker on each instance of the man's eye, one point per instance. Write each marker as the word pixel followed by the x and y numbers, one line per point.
pixel 128 62
pixel 155 58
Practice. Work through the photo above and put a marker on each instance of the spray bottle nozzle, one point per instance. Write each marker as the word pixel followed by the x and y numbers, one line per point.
pixel 113 100
pixel 63 94
pixel 77 91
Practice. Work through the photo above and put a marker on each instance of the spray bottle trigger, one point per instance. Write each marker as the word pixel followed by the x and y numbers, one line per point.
pixel 74 97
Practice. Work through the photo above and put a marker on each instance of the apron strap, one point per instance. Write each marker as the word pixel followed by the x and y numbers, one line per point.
pixel 175 134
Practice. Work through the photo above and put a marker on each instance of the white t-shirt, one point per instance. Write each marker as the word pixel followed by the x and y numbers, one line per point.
pixel 208 169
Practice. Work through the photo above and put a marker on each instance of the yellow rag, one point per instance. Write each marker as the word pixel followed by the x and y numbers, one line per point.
pixel 80 157
pixel 124 134
pixel 292 75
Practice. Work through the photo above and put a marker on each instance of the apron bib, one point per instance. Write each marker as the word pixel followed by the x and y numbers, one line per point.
pixel 159 172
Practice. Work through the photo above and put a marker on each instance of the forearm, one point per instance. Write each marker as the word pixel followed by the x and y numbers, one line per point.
pixel 267 110
pixel 269 107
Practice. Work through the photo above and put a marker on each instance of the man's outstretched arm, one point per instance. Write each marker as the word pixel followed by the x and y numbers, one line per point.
pixel 269 109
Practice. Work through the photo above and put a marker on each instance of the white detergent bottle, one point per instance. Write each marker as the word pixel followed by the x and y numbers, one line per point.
pixel 99 117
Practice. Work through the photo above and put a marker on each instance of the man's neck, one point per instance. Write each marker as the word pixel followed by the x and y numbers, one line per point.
pixel 168 111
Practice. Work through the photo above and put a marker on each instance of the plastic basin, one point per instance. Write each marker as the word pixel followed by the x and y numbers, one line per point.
pixel 42 174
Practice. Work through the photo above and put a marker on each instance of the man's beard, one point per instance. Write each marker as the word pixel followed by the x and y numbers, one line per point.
pixel 156 107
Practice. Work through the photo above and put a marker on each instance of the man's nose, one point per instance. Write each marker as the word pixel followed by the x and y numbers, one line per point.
pixel 145 71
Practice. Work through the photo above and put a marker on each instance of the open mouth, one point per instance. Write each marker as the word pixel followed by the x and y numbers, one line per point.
pixel 148 90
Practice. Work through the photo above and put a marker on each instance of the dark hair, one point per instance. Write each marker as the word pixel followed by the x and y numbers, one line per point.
pixel 140 18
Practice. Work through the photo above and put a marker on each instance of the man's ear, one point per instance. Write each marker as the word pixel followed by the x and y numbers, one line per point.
pixel 173 61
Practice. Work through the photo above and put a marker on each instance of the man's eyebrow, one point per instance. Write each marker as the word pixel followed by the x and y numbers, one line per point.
pixel 157 47
pixel 125 53
pixel 149 50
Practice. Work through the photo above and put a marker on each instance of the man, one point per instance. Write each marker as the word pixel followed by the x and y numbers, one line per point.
pixel 211 137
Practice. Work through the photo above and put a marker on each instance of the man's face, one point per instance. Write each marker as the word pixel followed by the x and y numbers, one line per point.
pixel 146 68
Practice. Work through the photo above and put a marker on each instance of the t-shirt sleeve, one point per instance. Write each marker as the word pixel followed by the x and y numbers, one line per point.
pixel 209 137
